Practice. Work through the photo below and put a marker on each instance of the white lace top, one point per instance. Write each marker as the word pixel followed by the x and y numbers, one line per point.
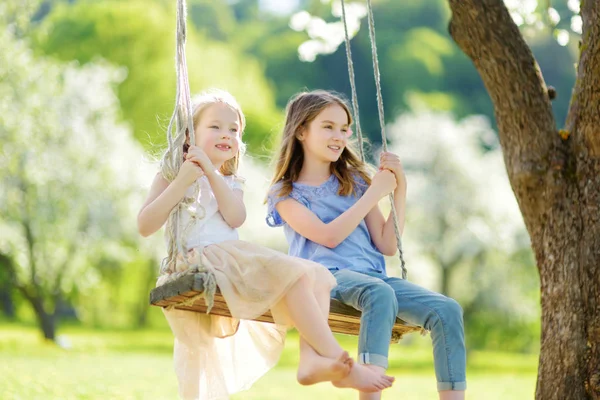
pixel 201 218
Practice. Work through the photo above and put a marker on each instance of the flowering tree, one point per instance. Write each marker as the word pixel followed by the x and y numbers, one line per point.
pixel 460 203
pixel 69 180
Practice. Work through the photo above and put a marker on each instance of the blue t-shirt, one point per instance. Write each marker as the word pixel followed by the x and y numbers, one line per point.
pixel 357 252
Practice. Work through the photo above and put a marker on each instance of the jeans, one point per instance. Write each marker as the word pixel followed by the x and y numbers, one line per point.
pixel 381 299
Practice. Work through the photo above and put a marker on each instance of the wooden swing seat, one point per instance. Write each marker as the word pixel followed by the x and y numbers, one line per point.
pixel 342 318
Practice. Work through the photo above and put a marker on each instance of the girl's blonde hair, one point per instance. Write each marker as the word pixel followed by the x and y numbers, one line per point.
pixel 201 103
pixel 301 110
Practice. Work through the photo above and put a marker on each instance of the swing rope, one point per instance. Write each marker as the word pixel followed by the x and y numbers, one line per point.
pixel 180 127
pixel 379 107
pixel 353 85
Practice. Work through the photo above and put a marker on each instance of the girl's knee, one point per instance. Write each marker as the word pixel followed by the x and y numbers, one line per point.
pixel 452 310
pixel 455 307
pixel 381 296
pixel 304 282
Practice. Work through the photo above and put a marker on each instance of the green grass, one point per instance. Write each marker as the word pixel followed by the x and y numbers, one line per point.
pixel 138 365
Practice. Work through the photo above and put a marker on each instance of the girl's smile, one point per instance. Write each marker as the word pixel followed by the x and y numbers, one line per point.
pixel 223 147
pixel 336 148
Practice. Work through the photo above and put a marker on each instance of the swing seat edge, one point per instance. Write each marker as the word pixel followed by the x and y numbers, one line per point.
pixel 343 319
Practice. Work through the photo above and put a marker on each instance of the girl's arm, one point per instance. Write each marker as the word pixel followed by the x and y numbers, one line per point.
pixel 163 196
pixel 382 231
pixel 307 224
pixel 230 201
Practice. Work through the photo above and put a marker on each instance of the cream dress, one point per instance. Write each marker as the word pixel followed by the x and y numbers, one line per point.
pixel 215 356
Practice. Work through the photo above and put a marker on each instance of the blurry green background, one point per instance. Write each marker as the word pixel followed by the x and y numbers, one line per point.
pixel 86 91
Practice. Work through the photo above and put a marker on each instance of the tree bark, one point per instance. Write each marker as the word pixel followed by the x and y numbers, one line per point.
pixel 45 320
pixel 7 279
pixel 556 181
pixel 6 302
pixel 32 294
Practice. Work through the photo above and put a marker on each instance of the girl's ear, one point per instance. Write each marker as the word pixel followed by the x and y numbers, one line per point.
pixel 301 133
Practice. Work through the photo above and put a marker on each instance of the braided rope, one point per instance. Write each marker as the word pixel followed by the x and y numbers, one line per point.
pixel 379 107
pixel 181 126
pixel 353 84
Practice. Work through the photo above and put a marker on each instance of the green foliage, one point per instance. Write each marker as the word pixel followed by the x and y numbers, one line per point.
pixel 119 298
pixel 502 309
pixel 464 221
pixel 420 64
pixel 140 36
pixel 18 14
pixel 70 180
pixel 215 20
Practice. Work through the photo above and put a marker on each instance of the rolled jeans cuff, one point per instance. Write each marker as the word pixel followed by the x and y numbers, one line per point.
pixel 373 359
pixel 451 386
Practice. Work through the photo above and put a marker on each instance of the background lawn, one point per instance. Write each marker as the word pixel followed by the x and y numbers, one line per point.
pixel 131 364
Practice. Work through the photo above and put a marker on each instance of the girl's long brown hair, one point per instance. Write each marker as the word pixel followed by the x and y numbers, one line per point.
pixel 301 110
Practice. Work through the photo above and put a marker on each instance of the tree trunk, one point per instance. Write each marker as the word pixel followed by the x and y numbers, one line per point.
pixel 556 180
pixel 445 279
pixel 7 278
pixel 46 320
pixel 6 301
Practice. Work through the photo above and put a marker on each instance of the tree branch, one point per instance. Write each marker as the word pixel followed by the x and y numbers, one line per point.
pixel 586 94
pixel 6 263
pixel 60 273
pixel 485 31
pixel 26 291
pixel 26 224
pixel 30 249
pixel 71 251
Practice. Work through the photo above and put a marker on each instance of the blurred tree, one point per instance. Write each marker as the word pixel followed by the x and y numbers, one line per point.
pixel 16 16
pixel 7 304
pixel 140 36
pixel 69 181
pixel 461 202
pixel 554 174
pixel 213 19
pixel 245 10
pixel 418 60
pixel 464 220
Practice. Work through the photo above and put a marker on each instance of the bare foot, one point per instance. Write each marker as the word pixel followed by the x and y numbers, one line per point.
pixel 364 380
pixel 317 369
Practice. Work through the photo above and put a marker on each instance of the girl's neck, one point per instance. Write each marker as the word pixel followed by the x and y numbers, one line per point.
pixel 314 173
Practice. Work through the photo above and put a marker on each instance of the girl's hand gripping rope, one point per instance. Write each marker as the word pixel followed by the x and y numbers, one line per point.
pixel 189 173
pixel 391 162
pixel 199 157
